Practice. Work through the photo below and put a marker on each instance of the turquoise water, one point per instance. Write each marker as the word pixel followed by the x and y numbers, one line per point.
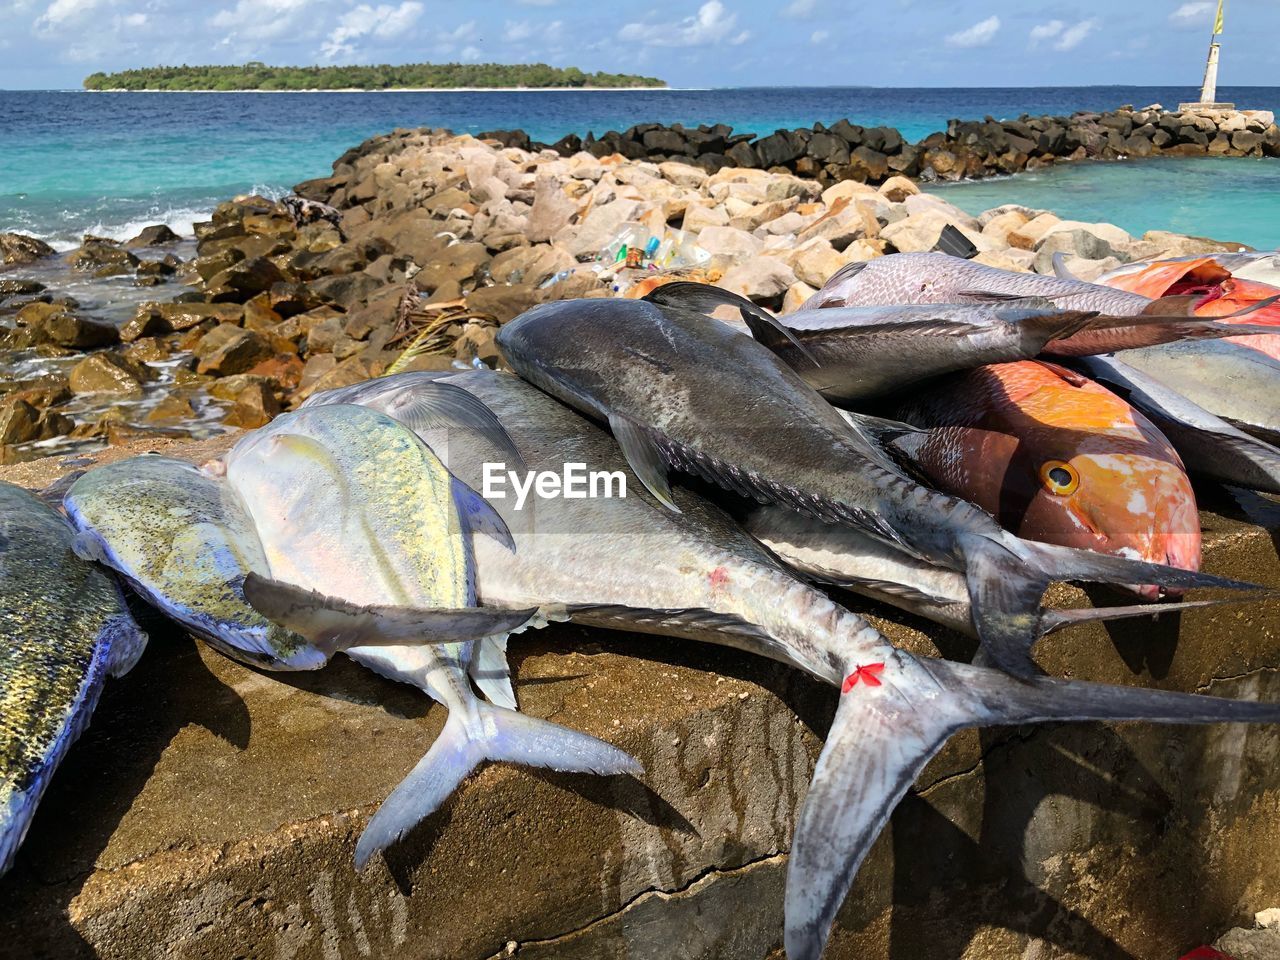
pixel 74 162
pixel 1226 198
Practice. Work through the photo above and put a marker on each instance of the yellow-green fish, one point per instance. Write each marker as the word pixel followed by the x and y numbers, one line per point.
pixel 64 628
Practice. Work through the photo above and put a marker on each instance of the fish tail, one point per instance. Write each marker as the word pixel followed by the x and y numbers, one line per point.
pixel 1006 580
pixel 484 732
pixel 884 734
pixel 1045 326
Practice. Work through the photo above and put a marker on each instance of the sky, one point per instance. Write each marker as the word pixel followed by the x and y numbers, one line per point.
pixel 56 43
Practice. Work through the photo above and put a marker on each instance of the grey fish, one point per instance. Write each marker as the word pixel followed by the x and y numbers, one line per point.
pixel 1127 321
pixel 681 390
pixel 1230 380
pixel 66 629
pixel 841 556
pixel 592 560
pixel 1209 446
pixel 853 353
pixel 366 532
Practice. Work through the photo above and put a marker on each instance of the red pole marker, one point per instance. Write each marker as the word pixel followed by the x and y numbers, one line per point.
pixel 869 675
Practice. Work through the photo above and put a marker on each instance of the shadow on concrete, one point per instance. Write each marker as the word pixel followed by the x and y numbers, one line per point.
pixel 931 853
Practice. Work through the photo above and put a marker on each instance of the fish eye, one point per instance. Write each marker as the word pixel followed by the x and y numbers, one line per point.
pixel 1059 478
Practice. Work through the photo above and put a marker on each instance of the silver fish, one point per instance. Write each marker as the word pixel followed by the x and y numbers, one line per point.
pixel 1126 320
pixel 1209 446
pixel 592 559
pixel 66 629
pixel 841 556
pixel 681 390
pixel 1230 380
pixel 366 532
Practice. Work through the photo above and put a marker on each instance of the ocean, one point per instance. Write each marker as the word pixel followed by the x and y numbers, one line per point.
pixel 73 162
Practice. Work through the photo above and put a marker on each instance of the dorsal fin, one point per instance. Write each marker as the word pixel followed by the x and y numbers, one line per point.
pixel 704 298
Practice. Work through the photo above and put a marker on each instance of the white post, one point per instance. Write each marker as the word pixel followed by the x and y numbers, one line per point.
pixel 1209 91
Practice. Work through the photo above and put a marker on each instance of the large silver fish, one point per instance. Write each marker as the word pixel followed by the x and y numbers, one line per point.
pixel 1127 321
pixel 841 556
pixel 591 558
pixel 185 542
pixel 1209 446
pixel 363 528
pixel 65 629
pixel 1230 380
pixel 679 389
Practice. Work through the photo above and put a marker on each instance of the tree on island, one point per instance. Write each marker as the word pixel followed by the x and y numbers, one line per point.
pixel 255 75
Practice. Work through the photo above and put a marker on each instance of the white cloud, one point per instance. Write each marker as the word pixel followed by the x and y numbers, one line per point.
pixel 799 8
pixel 258 20
pixel 1045 31
pixel 517 31
pixel 978 35
pixel 61 12
pixel 1074 34
pixel 1192 14
pixel 819 36
pixel 134 20
pixel 470 54
pixel 383 22
pixel 712 24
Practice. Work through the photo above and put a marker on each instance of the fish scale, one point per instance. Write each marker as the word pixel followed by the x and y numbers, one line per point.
pixel 65 628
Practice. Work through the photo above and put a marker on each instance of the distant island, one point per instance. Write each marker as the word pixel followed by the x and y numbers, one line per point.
pixel 410 76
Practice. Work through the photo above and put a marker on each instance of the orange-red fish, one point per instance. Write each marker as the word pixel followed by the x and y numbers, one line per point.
pixel 1221 293
pixel 1056 458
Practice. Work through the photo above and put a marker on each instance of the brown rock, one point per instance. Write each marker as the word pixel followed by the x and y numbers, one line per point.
pixel 106 373
pixel 18 422
pixel 249 277
pixel 99 254
pixel 171 409
pixel 153 236
pixel 228 349
pixel 284 371
pixel 552 210
pixel 503 303
pixel 19 248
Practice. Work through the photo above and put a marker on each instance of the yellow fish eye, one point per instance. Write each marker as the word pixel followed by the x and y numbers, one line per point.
pixel 1059 478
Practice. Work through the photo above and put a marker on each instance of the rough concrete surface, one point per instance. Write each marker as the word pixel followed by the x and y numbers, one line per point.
pixel 211 810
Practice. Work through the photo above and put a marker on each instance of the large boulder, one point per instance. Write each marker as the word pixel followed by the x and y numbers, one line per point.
pixel 20 248
pixel 228 349
pixel 759 278
pixel 553 210
pixel 729 242
pixel 106 373
pixel 601 225
pixel 155 235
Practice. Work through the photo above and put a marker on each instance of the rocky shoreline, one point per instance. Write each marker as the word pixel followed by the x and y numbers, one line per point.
pixel 967 149
pixel 437 241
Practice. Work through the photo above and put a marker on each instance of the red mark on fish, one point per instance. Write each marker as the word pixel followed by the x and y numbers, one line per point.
pixel 718 577
pixel 868 674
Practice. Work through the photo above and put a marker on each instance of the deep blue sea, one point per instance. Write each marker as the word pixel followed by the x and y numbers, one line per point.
pixel 107 163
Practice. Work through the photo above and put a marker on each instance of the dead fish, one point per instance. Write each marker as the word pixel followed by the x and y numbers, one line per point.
pixel 1230 380
pixel 185 543
pixel 366 533
pixel 1126 321
pixel 681 390
pixel 1056 458
pixel 592 559
pixel 66 629
pixel 1220 293
pixel 1208 445
pixel 853 353
pixel 844 557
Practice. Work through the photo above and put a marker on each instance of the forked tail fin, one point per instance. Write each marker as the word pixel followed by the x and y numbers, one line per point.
pixel 1006 581
pixel 885 732
pixel 484 732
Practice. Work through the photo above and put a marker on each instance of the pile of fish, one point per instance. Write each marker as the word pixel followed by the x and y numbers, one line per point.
pixel 994 432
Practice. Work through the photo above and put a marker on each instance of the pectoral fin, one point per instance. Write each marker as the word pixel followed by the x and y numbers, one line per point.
pixel 479 516
pixel 332 624
pixel 644 458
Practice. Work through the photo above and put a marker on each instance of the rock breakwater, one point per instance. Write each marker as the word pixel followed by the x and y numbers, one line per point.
pixel 436 241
